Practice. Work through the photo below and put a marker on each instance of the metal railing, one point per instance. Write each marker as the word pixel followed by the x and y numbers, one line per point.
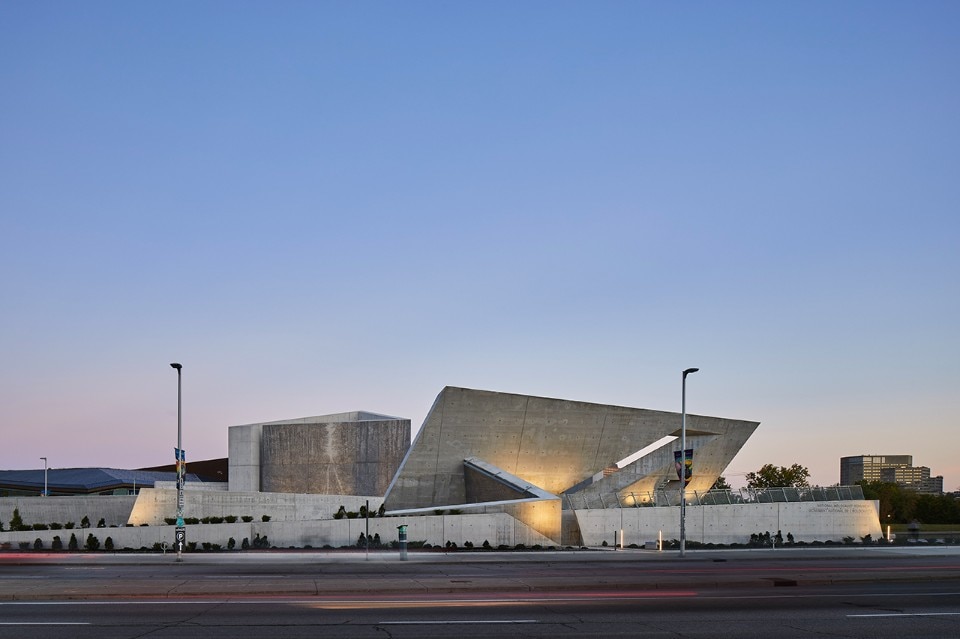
pixel 662 498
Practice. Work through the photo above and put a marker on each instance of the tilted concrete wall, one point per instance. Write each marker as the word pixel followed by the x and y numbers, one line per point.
pixel 734 523
pixel 551 443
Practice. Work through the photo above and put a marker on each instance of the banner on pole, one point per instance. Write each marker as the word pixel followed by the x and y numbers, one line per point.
pixel 684 465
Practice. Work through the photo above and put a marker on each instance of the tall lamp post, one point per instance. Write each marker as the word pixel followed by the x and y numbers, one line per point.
pixel 44 476
pixel 181 530
pixel 683 461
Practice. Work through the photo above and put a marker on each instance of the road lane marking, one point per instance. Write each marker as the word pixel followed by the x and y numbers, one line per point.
pixel 455 621
pixel 910 614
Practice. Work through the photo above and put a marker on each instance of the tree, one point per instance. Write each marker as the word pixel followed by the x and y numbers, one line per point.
pixel 770 476
pixel 16 523
pixel 720 484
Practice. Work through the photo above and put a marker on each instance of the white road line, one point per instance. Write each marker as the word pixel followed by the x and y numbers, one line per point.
pixel 909 614
pixel 454 621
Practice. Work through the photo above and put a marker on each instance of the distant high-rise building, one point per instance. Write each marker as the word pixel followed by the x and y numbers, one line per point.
pixel 895 469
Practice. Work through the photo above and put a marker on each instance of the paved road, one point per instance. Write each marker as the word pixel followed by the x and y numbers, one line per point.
pixel 837 593
pixel 856 611
pixel 40 577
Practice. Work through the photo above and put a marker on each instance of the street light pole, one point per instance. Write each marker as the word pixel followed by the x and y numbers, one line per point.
pixel 181 531
pixel 683 461
pixel 44 476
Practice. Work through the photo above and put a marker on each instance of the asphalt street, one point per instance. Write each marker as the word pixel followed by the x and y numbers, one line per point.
pixel 856 593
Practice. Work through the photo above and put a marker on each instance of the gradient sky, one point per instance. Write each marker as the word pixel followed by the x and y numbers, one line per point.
pixel 320 207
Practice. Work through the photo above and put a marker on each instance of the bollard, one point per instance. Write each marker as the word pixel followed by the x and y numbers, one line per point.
pixel 403 542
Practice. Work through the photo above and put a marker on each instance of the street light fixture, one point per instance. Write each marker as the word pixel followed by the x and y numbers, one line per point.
pixel 44 476
pixel 683 461
pixel 180 538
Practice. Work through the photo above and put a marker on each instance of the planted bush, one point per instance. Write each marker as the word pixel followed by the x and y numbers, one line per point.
pixel 92 543
pixel 73 544
pixel 247 518
pixel 108 543
pixel 57 543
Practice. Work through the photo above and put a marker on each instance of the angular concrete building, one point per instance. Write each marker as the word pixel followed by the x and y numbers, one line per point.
pixel 520 453
pixel 344 454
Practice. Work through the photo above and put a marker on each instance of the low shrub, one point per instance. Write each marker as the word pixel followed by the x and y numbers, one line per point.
pixel 57 543
pixel 246 518
pixel 108 543
pixel 38 544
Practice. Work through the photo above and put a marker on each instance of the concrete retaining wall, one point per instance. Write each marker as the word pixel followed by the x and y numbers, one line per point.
pixel 498 529
pixel 734 523
pixel 114 509
pixel 153 505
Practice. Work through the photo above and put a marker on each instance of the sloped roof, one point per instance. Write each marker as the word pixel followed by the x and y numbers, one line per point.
pixel 84 480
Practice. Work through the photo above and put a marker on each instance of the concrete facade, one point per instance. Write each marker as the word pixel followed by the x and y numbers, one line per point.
pixel 473 439
pixel 343 454
pixel 734 523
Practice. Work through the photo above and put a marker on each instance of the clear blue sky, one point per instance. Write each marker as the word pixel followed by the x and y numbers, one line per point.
pixel 328 206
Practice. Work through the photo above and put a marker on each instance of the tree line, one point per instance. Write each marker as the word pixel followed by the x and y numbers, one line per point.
pixel 898 505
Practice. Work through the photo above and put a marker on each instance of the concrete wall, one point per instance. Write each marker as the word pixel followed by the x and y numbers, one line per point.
pixel 497 528
pixel 332 458
pixel 350 453
pixel 114 509
pixel 244 457
pixel 554 444
pixel 153 505
pixel 734 523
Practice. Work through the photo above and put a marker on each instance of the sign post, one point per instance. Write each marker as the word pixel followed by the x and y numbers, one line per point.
pixel 403 542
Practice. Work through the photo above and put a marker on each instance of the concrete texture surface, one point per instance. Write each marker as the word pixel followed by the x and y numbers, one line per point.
pixel 343 454
pixel 553 444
